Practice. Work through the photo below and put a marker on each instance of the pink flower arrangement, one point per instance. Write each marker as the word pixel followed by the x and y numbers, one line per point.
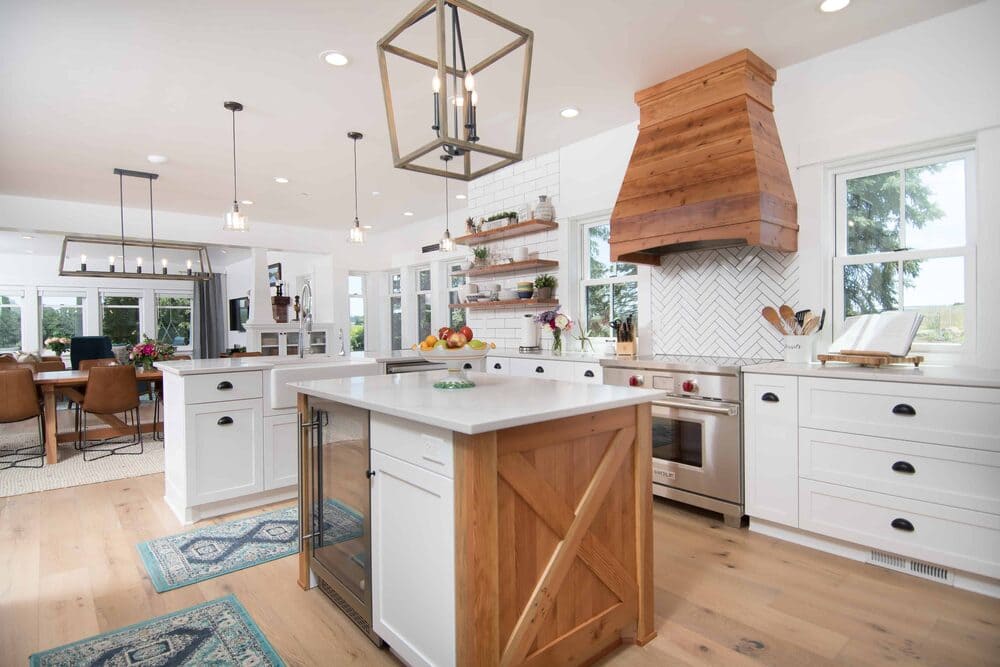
pixel 558 323
pixel 148 351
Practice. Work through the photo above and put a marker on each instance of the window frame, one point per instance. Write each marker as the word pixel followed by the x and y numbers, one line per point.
pixel 450 268
pixel 156 313
pixel 137 294
pixel 398 295
pixel 364 303
pixel 428 295
pixel 901 162
pixel 18 296
pixel 64 293
pixel 583 247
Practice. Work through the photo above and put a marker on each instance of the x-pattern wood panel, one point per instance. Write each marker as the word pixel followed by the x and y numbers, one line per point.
pixel 573 528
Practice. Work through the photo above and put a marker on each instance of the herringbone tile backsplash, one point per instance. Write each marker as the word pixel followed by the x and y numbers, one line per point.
pixel 709 302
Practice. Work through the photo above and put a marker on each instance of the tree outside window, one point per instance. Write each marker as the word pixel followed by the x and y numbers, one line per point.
pixel 10 323
pixel 396 311
pixel 457 317
pixel 120 319
pixel 356 306
pixel 610 289
pixel 424 324
pixel 173 320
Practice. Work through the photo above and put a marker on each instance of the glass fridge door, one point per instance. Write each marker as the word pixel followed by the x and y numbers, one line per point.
pixel 342 509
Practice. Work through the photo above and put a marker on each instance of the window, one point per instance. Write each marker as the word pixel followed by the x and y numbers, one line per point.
pixel 120 318
pixel 396 310
pixel 457 318
pixel 173 319
pixel 10 323
pixel 356 307
pixel 62 315
pixel 902 244
pixel 610 289
pixel 423 283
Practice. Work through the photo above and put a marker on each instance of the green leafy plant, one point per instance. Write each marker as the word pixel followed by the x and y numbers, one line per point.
pixel 546 280
pixel 482 253
pixel 501 216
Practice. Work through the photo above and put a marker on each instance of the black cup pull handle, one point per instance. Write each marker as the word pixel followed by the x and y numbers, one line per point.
pixel 224 385
pixel 497 366
pixel 467 367
pixel 902 524
pixel 769 397
pixel 904 466
pixel 539 369
pixel 904 409
pixel 588 374
pixel 225 421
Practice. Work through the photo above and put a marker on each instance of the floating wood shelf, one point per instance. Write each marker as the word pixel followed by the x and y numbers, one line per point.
pixel 510 303
pixel 509 231
pixel 510 267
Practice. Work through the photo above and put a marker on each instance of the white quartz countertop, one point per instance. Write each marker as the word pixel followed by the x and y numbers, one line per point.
pixel 496 402
pixel 960 376
pixel 241 364
pixel 583 357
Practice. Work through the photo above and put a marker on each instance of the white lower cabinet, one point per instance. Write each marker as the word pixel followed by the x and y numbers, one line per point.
pixel 224 443
pixel 413 560
pixel 770 447
pixel 281 462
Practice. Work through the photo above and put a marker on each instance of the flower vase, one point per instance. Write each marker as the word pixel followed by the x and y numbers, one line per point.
pixel 556 341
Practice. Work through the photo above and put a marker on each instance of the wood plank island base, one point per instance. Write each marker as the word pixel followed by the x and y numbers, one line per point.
pixel 517 534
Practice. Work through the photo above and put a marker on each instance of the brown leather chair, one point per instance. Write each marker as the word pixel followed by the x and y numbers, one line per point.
pixel 47 365
pixel 19 402
pixel 7 358
pixel 237 355
pixel 111 390
pixel 87 364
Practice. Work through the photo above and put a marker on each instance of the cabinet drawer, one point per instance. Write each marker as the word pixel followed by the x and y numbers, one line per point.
pixel 958 416
pixel 955 476
pixel 947 536
pixel 213 387
pixel 422 445
pixel 583 372
pixel 498 365
pixel 543 369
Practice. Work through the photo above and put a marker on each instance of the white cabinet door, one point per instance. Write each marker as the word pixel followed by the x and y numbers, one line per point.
pixel 281 460
pixel 225 443
pixel 770 447
pixel 413 561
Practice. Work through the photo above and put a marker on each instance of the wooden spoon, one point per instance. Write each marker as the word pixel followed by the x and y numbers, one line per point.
pixel 810 325
pixel 771 315
pixel 788 315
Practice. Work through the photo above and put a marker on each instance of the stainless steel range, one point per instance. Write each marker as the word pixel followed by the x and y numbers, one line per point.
pixel 697 431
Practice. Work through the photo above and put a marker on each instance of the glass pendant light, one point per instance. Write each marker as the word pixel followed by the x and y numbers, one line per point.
pixel 235 221
pixel 446 245
pixel 357 234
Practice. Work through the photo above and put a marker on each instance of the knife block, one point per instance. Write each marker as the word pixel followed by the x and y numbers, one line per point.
pixel 626 349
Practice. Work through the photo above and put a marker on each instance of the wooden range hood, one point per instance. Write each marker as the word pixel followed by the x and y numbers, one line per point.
pixel 707 169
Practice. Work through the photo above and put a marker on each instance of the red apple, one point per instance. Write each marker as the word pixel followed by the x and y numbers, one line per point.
pixel 467 332
pixel 457 341
pixel 444 332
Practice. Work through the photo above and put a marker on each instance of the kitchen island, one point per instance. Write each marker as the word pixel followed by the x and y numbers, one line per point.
pixel 505 524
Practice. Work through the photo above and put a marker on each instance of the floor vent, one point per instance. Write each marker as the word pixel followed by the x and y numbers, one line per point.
pixel 909 566
pixel 346 607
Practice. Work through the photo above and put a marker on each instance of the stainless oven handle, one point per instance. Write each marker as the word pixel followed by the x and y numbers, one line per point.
pixel 728 410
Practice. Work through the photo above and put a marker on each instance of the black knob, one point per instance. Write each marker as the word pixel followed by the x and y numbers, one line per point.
pixel 467 366
pixel 539 369
pixel 225 384
pixel 588 374
pixel 769 397
pixel 902 524
pixel 225 421
pixel 369 474
pixel 904 409
pixel 497 366
pixel 904 466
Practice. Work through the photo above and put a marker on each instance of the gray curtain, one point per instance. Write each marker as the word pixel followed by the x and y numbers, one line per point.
pixel 209 315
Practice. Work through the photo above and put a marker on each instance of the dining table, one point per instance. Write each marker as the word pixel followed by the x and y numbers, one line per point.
pixel 72 385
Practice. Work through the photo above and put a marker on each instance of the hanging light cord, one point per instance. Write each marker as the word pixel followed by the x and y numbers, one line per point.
pixel 121 211
pixel 152 237
pixel 234 157
pixel 356 223
pixel 446 200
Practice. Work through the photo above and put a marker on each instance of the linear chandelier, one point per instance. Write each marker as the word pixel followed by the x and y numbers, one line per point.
pixel 126 257
pixel 454 127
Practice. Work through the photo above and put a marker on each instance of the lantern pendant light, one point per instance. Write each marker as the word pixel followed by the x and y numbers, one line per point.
pixel 446 245
pixel 357 234
pixel 235 221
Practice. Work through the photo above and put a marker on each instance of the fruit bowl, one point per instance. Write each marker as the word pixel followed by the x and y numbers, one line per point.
pixel 455 358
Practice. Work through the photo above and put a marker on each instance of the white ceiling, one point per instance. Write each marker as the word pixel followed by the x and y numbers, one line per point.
pixel 88 86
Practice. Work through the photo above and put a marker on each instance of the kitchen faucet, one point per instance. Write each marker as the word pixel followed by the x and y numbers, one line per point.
pixel 305 319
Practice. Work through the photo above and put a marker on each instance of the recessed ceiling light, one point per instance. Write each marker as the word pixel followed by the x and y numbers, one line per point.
pixel 27 238
pixel 335 58
pixel 573 112
pixel 156 159
pixel 459 196
pixel 280 179
pixel 408 213
pixel 833 5
pixel 247 202
pixel 375 193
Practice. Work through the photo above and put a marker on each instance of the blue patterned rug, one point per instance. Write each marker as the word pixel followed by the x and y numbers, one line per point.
pixel 211 551
pixel 219 632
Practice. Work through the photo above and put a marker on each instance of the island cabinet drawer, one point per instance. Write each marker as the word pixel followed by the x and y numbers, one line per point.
pixel 498 365
pixel 948 536
pixel 543 369
pixel 954 476
pixel 214 387
pixel 584 372
pixel 424 446
pixel 957 416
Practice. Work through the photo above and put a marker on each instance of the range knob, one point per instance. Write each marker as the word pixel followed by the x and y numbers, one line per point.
pixel 636 381
pixel 689 386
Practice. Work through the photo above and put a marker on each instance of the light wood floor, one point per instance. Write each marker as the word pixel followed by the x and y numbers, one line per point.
pixel 69 569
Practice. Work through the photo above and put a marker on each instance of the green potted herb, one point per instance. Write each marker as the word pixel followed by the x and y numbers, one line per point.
pixel 482 255
pixel 545 285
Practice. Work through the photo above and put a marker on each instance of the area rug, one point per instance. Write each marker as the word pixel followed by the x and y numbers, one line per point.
pixel 212 551
pixel 219 632
pixel 72 470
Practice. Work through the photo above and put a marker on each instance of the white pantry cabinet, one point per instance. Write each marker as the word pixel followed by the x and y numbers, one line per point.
pixel 770 447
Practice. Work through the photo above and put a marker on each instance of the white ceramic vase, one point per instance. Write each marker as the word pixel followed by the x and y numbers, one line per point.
pixel 544 209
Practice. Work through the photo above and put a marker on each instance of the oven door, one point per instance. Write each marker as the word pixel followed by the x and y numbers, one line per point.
pixel 696 447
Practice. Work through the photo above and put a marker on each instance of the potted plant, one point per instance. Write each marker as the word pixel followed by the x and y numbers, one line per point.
pixel 545 286
pixel 470 225
pixel 503 218
pixel 481 255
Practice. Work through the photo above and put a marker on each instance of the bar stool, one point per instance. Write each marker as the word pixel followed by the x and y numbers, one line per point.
pixel 111 390
pixel 19 402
